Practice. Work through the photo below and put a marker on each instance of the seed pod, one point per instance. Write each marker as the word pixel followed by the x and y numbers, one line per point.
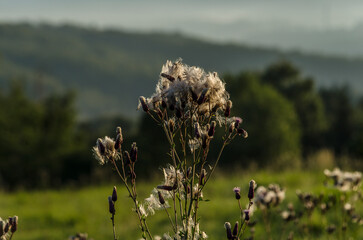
pixel 14 224
pixel 101 147
pixel 237 191
pixel 111 206
pixel 161 198
pixel 197 130
pixel 167 76
pixel 227 225
pixel 227 112
pixel 114 194
pixel 212 129
pixel 251 190
pixel 133 152
pixel 202 177
pixel 247 215
pixel 202 96
pixel 171 125
pixel 235 230
pixel 144 105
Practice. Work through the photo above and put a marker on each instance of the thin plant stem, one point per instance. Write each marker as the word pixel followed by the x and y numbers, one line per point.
pixel 113 226
pixel 171 221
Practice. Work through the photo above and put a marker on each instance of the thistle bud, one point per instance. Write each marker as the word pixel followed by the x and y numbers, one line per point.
pixel 231 127
pixel 101 147
pixel 237 191
pixel 227 112
pixel 237 122
pixel 242 132
pixel 202 177
pixel 127 158
pixel 197 130
pixel 251 190
pixel 133 152
pixel 161 198
pixel 111 206
pixel 227 225
pixel 171 125
pixel 247 215
pixel 235 229
pixel 212 129
pixel 119 138
pixel 205 141
pixel 167 76
pixel 144 105
pixel 194 95
pixel 202 96
pixel 114 194
pixel 14 224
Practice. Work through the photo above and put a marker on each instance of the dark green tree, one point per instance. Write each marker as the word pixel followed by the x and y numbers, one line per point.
pixel 269 118
pixel 301 91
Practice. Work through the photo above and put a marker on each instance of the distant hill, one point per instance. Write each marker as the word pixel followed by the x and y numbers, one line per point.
pixel 110 69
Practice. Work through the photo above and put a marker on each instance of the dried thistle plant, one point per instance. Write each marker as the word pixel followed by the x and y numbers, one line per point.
pixel 189 105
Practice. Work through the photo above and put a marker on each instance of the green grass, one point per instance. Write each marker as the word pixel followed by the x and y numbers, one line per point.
pixel 59 214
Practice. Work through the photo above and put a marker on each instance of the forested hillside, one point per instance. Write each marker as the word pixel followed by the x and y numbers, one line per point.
pixel 110 69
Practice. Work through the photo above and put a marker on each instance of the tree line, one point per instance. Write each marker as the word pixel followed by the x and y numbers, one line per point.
pixel 43 145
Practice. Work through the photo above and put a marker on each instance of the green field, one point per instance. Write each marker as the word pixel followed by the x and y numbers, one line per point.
pixel 58 214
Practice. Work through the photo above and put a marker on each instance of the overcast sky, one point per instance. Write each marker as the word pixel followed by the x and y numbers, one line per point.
pixel 228 20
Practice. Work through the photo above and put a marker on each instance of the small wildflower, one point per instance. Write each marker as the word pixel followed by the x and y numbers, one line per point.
pixel 247 215
pixel 237 191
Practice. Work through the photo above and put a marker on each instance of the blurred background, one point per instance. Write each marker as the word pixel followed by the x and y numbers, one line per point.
pixel 72 71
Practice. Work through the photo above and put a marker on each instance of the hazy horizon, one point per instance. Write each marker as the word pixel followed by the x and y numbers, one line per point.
pixel 328 27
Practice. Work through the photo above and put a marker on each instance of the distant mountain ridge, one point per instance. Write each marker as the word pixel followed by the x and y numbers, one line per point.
pixel 109 69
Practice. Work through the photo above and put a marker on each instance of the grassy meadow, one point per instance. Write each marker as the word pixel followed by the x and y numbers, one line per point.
pixel 58 214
